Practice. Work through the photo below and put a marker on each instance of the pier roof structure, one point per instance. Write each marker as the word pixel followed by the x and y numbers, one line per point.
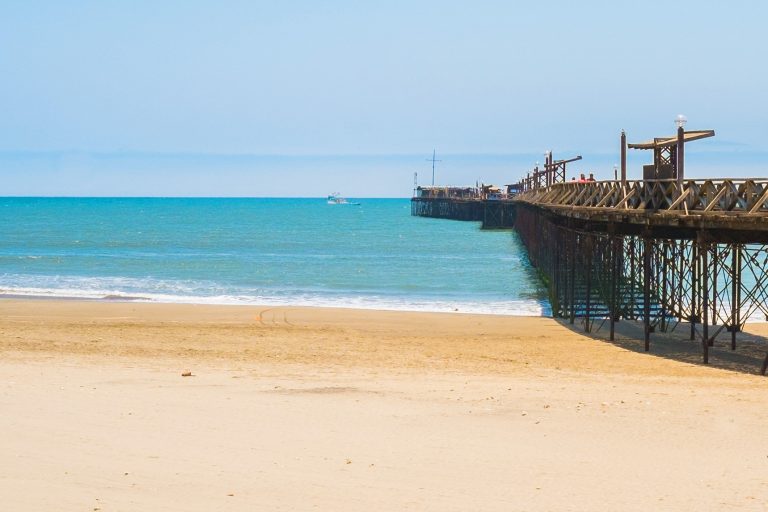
pixel 660 142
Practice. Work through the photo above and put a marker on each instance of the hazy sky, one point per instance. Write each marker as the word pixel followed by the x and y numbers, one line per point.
pixel 301 78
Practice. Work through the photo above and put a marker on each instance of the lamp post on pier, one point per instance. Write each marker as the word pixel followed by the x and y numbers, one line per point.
pixel 680 121
pixel 548 166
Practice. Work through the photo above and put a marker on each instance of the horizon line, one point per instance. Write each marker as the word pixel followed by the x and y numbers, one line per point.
pixel 189 197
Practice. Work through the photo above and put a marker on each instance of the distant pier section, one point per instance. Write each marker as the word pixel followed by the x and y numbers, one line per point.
pixel 494 206
pixel 484 203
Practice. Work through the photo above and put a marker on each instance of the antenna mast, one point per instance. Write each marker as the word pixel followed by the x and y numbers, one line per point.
pixel 433 166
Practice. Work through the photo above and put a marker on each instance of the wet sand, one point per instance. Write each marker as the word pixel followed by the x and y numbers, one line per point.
pixel 329 409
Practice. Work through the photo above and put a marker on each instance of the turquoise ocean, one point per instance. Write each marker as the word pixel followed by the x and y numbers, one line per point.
pixel 261 251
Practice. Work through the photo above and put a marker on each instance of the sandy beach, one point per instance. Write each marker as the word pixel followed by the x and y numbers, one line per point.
pixel 330 409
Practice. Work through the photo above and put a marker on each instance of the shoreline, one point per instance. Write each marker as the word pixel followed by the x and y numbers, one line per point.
pixel 435 306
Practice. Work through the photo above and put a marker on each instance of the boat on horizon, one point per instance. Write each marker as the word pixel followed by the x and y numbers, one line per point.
pixel 336 198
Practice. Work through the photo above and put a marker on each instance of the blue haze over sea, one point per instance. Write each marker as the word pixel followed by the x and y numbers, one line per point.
pixel 261 251
pixel 136 174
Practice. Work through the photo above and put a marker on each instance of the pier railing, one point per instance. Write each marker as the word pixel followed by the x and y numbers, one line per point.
pixel 722 196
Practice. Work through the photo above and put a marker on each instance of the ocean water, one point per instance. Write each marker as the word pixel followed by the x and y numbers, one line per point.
pixel 261 251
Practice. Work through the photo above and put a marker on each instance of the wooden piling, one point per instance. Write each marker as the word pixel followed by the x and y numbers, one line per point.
pixel 647 292
pixel 705 306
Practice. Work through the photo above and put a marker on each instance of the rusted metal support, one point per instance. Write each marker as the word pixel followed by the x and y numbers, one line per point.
pixel 588 246
pixel 614 311
pixel 555 272
pixel 566 274
pixel 562 271
pixel 632 272
pixel 715 269
pixel 739 302
pixel 735 284
pixel 705 297
pixel 694 292
pixel 572 253
pixel 664 272
pixel 647 292
pixel 680 247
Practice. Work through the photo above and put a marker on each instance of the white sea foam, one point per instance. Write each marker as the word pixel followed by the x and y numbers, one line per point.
pixel 150 290
pixel 512 308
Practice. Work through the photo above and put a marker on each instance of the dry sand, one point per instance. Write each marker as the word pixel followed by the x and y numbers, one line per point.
pixel 347 410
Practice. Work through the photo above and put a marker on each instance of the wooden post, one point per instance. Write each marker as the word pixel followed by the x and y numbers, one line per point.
pixel 552 169
pixel 680 156
pixel 705 305
pixel 623 159
pixel 547 170
pixel 647 292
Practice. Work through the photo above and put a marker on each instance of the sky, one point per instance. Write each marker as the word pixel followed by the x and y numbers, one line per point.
pixel 294 98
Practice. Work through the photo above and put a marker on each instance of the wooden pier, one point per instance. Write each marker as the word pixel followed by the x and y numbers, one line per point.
pixel 447 208
pixel 484 204
pixel 662 250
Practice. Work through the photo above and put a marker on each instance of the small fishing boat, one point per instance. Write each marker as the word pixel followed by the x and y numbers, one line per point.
pixel 337 199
